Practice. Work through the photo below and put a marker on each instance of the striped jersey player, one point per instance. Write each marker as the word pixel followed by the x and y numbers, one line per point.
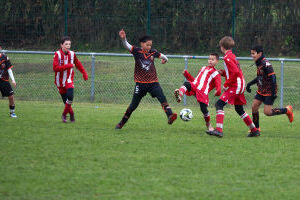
pixel 206 80
pixel 64 63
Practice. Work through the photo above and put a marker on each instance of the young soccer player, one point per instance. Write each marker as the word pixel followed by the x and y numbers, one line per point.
pixel 234 88
pixel 266 88
pixel 63 65
pixel 145 77
pixel 207 79
pixel 5 87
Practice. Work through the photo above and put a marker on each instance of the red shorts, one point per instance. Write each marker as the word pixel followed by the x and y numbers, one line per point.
pixel 63 90
pixel 200 96
pixel 230 97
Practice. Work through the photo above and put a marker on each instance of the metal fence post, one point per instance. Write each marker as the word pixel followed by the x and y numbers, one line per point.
pixel 185 67
pixel 281 82
pixel 93 78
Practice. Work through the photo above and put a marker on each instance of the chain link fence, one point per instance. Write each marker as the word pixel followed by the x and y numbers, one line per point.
pixel 111 77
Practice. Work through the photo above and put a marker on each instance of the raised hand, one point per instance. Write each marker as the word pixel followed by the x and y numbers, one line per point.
pixel 122 34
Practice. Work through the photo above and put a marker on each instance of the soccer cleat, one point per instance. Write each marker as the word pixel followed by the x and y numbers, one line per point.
pixel 257 129
pixel 290 113
pixel 208 132
pixel 177 95
pixel 217 133
pixel 172 118
pixel 72 118
pixel 119 126
pixel 13 115
pixel 254 134
pixel 64 118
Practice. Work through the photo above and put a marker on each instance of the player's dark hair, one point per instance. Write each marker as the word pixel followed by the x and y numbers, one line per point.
pixel 227 42
pixel 216 55
pixel 65 38
pixel 145 38
pixel 258 48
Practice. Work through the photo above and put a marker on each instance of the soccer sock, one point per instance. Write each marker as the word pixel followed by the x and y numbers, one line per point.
pixel 126 116
pixel 67 107
pixel 167 109
pixel 278 111
pixel 182 90
pixel 247 120
pixel 71 110
pixel 207 119
pixel 12 109
pixel 220 120
pixel 255 118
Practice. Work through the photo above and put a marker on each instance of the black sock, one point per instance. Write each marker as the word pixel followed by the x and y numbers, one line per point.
pixel 278 111
pixel 167 109
pixel 126 116
pixel 12 109
pixel 255 119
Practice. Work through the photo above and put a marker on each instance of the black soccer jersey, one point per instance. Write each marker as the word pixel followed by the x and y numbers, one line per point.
pixel 264 80
pixel 144 71
pixel 4 66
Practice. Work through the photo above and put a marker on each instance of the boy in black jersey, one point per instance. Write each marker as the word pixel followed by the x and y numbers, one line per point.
pixel 145 77
pixel 266 88
pixel 5 87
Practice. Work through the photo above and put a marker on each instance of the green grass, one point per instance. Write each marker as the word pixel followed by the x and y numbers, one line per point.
pixel 42 158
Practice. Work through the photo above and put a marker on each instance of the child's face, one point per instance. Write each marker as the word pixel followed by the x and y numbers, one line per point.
pixel 66 46
pixel 212 60
pixel 146 45
pixel 255 55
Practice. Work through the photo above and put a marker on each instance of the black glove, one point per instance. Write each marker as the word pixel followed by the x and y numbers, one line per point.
pixel 248 88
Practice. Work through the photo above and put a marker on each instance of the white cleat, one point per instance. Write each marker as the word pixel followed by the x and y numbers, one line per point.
pixel 13 115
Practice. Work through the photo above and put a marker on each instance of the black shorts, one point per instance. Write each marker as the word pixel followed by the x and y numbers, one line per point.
pixel 6 89
pixel 141 89
pixel 267 100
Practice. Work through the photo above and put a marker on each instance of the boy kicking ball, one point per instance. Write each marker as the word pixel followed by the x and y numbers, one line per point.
pixel 206 80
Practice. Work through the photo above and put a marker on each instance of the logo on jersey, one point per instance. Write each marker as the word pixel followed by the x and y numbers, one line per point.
pixel 145 64
pixel 136 89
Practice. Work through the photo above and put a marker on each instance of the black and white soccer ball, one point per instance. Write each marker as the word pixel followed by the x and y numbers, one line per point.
pixel 186 114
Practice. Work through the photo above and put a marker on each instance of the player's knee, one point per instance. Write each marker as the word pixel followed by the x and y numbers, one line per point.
pixel 268 112
pixel 239 109
pixel 220 105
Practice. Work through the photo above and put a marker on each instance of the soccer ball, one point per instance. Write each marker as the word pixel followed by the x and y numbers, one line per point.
pixel 186 114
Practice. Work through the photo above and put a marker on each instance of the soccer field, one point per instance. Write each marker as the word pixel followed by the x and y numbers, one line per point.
pixel 42 158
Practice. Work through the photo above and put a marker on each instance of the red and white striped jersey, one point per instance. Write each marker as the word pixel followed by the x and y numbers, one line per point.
pixel 233 73
pixel 207 79
pixel 63 67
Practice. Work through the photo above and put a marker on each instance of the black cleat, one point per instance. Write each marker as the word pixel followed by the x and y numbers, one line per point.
pixel 217 133
pixel 119 126
pixel 208 132
pixel 254 134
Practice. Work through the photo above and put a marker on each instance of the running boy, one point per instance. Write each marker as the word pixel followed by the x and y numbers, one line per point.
pixel 234 88
pixel 145 77
pixel 63 65
pixel 5 87
pixel 266 88
pixel 207 79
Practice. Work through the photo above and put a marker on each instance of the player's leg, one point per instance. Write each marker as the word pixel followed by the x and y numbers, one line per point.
pixel 206 116
pixel 7 91
pixel 219 119
pixel 68 104
pixel 63 94
pixel 255 110
pixel 12 106
pixel 156 91
pixel 247 120
pixel 178 93
pixel 139 93
pixel 270 111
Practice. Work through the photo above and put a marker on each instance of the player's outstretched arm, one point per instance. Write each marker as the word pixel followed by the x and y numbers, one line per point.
pixel 80 67
pixel 188 76
pixel 11 75
pixel 218 85
pixel 122 35
pixel 248 87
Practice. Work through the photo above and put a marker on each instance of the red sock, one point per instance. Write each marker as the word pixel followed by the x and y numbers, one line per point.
pixel 71 110
pixel 207 119
pixel 67 109
pixel 246 118
pixel 219 120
